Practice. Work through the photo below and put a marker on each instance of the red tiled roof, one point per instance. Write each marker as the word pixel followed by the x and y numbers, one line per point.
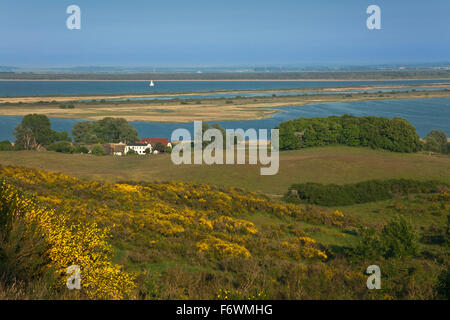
pixel 154 141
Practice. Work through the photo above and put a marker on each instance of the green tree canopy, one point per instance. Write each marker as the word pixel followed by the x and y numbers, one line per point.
pixel 34 131
pixel 6 146
pixel 436 141
pixel 104 131
pixel 391 134
pixel 84 132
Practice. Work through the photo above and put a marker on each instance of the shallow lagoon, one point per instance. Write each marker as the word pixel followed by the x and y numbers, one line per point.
pixel 424 114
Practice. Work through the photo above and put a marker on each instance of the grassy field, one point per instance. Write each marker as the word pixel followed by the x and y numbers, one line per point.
pixel 334 164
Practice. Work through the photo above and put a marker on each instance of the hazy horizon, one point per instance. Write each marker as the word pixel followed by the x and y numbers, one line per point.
pixel 202 33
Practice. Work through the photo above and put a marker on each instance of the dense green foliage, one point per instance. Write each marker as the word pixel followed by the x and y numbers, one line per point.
pixel 361 192
pixel 160 147
pixel 443 285
pixel 436 141
pixel 6 146
pixel 64 147
pixel 390 134
pixel 397 239
pixel 35 131
pixel 61 136
pixel 98 150
pixel 104 131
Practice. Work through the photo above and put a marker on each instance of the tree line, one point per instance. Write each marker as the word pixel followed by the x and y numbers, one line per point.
pixel 395 134
pixel 35 132
pixel 357 193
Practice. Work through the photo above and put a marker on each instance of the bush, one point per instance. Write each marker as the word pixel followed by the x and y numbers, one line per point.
pixel 160 147
pixel 443 284
pixel 81 149
pixel 396 240
pixel 6 146
pixel 98 150
pixel 356 193
pixel 131 152
pixel 64 147
pixel 22 247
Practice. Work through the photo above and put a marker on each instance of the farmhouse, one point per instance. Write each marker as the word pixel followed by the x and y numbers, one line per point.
pixel 154 141
pixel 138 147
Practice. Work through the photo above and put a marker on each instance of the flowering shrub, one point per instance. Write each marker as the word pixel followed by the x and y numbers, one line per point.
pixel 72 244
pixel 222 248
pixel 92 223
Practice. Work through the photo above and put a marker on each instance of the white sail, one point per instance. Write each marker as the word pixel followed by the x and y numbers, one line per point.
pixel 151 83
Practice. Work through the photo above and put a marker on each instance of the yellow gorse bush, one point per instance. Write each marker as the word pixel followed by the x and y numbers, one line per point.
pixel 73 244
pixel 222 248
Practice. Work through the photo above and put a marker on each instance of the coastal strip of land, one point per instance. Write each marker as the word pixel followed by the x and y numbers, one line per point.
pixel 312 75
pixel 176 109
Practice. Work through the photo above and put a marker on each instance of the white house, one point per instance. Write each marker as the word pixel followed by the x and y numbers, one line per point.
pixel 139 148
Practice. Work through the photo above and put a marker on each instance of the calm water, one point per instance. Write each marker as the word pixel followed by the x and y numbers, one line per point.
pixel 39 88
pixel 424 114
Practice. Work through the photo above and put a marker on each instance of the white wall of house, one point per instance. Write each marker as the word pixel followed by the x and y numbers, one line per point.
pixel 138 149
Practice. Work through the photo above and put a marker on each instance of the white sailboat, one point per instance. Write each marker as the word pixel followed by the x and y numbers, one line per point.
pixel 151 83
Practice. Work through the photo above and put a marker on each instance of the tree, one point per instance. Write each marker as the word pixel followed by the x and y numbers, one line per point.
pixel 115 130
pixel 398 239
pixel 436 141
pixel 61 136
pixel 33 131
pixel 84 132
pixel 104 131
pixel 146 151
pixel 431 144
pixel 350 135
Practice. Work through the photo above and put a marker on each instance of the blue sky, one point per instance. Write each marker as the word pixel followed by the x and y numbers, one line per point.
pixel 222 32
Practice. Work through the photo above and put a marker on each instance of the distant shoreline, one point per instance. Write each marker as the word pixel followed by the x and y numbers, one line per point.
pixel 301 76
pixel 230 80
pixel 91 96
